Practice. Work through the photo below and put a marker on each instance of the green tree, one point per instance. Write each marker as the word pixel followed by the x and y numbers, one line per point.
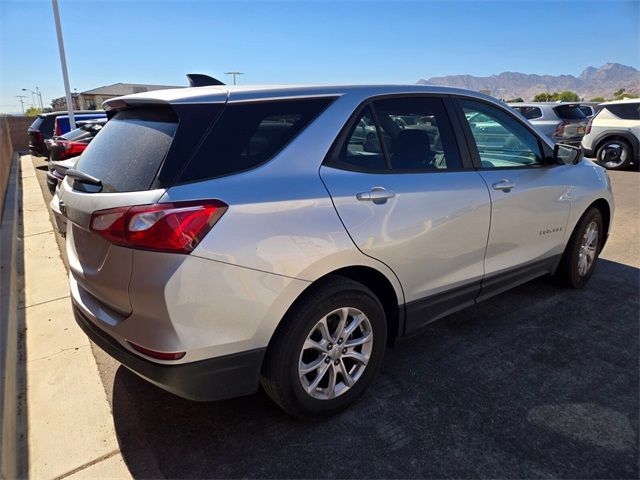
pixel 32 112
pixel 597 99
pixel 516 100
pixel 622 93
pixel 543 97
pixel 567 96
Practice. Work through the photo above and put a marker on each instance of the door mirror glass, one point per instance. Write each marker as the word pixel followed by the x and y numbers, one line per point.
pixel 566 154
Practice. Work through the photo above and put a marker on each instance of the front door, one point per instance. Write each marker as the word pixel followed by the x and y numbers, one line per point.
pixel 531 199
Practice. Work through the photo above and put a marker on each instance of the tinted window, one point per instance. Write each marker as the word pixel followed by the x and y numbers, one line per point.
pixel 130 149
pixel 626 111
pixel 529 113
pixel 569 112
pixel 82 133
pixel 586 110
pixel 423 139
pixel 249 134
pixel 502 141
pixel 362 148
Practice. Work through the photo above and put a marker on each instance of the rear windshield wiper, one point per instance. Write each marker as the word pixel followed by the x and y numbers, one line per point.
pixel 83 177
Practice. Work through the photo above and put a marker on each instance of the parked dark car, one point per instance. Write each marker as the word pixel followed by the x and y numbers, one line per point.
pixel 67 147
pixel 43 128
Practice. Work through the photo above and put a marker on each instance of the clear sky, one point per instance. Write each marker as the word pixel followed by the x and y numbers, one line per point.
pixel 156 41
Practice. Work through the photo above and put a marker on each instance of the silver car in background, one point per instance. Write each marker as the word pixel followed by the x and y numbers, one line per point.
pixel 561 122
pixel 225 237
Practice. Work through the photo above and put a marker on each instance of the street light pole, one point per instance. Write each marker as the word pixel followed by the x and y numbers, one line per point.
pixel 39 93
pixel 63 64
pixel 20 97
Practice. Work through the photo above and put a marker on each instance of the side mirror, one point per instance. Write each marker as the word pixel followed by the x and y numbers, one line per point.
pixel 566 154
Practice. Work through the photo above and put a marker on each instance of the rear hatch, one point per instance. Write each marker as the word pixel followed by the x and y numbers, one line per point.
pixel 135 159
pixel 573 123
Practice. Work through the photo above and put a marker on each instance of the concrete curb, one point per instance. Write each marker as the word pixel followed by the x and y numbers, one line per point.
pixel 12 366
pixel 71 432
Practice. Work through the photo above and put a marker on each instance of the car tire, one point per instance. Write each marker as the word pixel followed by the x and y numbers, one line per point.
pixel 289 354
pixel 581 254
pixel 614 154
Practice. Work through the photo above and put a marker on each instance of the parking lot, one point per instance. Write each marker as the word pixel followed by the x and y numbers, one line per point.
pixel 538 382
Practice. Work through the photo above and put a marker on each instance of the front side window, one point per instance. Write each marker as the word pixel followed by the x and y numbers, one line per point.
pixel 417 134
pixel 502 141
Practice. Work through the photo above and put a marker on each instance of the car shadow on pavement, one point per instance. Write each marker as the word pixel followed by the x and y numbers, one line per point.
pixel 538 382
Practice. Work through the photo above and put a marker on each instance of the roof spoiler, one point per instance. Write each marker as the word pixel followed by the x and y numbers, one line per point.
pixel 201 80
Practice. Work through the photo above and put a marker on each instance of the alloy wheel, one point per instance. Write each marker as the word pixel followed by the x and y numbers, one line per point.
pixel 588 247
pixel 336 353
pixel 613 155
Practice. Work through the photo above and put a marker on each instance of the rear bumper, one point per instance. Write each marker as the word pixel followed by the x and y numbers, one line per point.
pixel 52 182
pixel 205 380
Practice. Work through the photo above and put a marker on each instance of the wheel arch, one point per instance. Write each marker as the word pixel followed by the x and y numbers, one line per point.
pixel 374 280
pixel 628 137
pixel 605 210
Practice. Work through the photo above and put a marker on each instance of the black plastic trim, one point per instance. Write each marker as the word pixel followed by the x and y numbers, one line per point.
pixel 426 310
pixel 206 380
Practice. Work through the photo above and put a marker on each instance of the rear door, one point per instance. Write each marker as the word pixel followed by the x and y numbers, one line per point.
pixel 407 198
pixel 125 157
pixel 574 122
pixel 530 198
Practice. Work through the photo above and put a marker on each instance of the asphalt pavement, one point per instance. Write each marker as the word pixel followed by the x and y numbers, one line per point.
pixel 539 382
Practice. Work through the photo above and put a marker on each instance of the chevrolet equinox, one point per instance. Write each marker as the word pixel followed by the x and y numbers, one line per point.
pixel 220 238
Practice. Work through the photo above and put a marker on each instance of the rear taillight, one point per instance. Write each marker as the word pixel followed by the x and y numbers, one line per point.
pixel 559 132
pixel 39 137
pixel 71 149
pixel 57 131
pixel 588 128
pixel 163 227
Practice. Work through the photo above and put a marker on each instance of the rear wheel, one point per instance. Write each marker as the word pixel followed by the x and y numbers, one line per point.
pixel 614 154
pixel 327 351
pixel 580 256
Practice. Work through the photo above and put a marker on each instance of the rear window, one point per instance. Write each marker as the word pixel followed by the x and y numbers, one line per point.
pixel 530 113
pixel 569 112
pixel 249 134
pixel 82 133
pixel 626 111
pixel 128 152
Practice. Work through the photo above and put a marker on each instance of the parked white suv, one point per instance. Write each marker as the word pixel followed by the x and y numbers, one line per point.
pixel 613 135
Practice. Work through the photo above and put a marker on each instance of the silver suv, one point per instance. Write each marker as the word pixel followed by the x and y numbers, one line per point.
pixel 222 237
pixel 562 122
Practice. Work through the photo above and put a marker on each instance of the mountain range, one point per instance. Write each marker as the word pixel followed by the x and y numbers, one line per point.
pixel 592 82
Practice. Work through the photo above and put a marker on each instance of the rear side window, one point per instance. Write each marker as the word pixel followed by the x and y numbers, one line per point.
pixel 530 113
pixel 249 134
pixel 130 149
pixel 36 123
pixel 626 111
pixel 586 110
pixel 569 112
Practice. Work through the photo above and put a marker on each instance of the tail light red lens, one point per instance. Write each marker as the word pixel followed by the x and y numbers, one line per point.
pixel 588 129
pixel 559 129
pixel 71 149
pixel 163 227
pixel 57 131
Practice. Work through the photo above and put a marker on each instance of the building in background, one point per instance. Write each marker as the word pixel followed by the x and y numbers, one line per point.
pixel 92 99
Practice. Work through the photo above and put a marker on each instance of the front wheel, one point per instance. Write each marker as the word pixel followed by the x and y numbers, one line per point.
pixel 614 154
pixel 581 254
pixel 327 351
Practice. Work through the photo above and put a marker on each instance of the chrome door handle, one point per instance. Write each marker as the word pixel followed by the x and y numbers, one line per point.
pixel 504 185
pixel 375 195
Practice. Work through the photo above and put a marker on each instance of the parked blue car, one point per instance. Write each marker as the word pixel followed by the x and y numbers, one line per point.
pixel 63 126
